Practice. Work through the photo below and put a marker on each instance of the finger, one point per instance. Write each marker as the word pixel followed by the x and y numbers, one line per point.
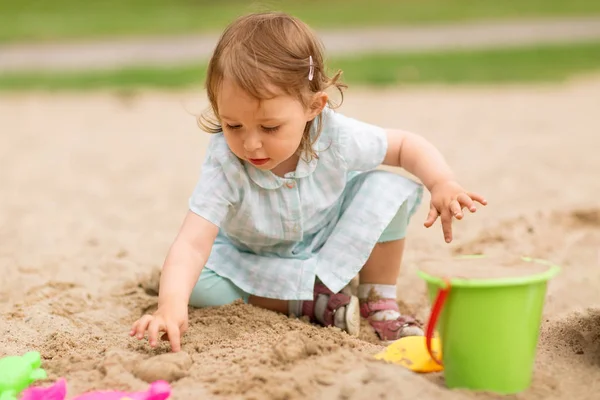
pixel 183 328
pixel 446 218
pixel 165 336
pixel 155 327
pixel 142 325
pixel 174 337
pixel 465 201
pixel 478 198
pixel 431 217
pixel 456 209
pixel 134 328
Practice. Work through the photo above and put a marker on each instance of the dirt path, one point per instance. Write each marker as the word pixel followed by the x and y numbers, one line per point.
pixel 118 53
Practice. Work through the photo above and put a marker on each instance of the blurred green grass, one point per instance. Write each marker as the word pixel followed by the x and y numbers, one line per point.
pixel 39 20
pixel 530 64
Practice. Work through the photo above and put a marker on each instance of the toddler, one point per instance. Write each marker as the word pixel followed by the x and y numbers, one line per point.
pixel 290 207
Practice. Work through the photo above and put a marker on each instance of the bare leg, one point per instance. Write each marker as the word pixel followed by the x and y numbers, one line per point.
pixel 346 316
pixel 378 278
pixel 280 306
pixel 383 265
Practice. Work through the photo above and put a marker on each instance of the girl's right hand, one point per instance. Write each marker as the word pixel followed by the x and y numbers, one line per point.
pixel 170 319
pixel 180 273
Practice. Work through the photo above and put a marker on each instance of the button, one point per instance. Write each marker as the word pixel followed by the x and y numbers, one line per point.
pixel 291 184
pixel 294 227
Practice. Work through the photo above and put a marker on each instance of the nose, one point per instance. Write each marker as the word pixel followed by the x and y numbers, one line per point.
pixel 252 142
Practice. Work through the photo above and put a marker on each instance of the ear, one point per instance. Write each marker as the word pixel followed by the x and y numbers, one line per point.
pixel 316 106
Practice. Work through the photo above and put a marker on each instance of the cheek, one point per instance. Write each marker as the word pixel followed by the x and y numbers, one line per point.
pixel 286 143
pixel 295 130
pixel 299 132
pixel 234 143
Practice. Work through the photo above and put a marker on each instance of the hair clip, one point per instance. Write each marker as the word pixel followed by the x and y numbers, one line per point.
pixel 311 71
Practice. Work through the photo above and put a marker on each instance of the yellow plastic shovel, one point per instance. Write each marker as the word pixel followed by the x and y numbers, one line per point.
pixel 411 352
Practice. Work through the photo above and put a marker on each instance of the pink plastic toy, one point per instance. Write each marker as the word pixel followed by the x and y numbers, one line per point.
pixel 159 390
pixel 58 391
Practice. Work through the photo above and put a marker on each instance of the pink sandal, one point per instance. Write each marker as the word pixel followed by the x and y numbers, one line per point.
pixel 390 330
pixel 341 310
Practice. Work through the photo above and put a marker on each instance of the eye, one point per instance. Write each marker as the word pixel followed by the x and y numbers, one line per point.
pixel 270 129
pixel 233 127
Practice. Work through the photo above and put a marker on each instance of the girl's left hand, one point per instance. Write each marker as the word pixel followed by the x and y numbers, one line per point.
pixel 448 199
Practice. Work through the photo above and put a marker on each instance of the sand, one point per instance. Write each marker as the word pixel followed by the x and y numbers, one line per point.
pixel 94 187
pixel 479 267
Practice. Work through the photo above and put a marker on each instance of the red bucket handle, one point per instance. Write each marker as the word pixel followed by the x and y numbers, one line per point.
pixel 436 310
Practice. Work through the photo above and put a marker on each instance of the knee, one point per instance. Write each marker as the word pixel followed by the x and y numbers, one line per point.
pixel 397 227
pixel 207 298
pixel 213 290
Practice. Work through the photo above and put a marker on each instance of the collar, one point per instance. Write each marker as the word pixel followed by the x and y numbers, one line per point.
pixel 268 180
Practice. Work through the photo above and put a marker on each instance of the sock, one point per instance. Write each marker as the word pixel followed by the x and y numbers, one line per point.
pixel 373 292
pixel 379 291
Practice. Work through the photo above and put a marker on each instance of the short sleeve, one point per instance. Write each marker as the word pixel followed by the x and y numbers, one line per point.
pixel 217 190
pixel 362 146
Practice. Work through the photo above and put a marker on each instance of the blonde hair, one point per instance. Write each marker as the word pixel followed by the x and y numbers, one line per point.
pixel 269 50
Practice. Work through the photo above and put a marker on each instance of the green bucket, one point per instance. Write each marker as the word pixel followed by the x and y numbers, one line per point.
pixel 488 328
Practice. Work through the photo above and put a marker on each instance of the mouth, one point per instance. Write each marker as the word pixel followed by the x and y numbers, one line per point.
pixel 259 161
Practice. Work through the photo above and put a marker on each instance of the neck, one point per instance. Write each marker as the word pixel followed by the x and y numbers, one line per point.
pixel 287 166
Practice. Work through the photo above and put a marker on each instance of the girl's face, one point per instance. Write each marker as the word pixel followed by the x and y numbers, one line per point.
pixel 266 133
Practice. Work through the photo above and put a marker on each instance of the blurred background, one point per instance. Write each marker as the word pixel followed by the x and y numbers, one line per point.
pixel 100 151
pixel 70 44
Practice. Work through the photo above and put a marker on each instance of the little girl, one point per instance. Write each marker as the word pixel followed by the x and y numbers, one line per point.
pixel 290 207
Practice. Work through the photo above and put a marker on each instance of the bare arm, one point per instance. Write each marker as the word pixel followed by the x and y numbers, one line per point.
pixel 419 157
pixel 181 270
pixel 186 258
pixel 416 155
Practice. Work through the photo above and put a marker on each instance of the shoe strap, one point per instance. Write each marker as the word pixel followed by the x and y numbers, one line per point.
pixel 370 307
